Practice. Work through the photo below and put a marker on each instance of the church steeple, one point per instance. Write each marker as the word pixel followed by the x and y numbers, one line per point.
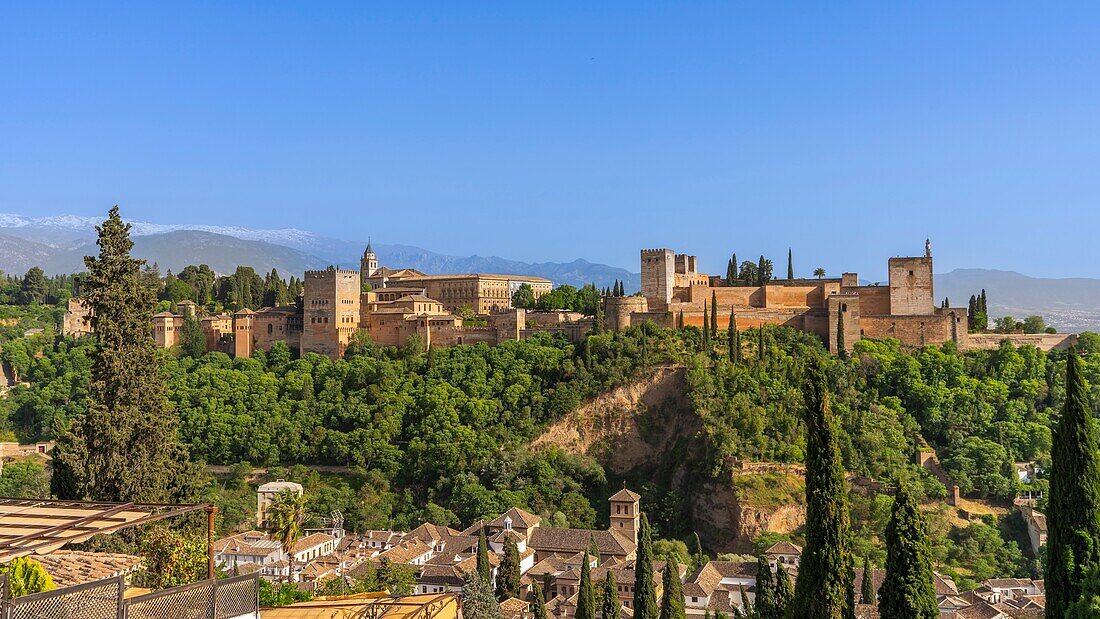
pixel 369 265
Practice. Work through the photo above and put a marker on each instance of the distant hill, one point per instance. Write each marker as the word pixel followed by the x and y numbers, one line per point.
pixel 59 244
pixel 1070 304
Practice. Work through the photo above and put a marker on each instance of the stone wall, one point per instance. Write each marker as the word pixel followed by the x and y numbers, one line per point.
pixel 911 331
pixel 847 304
pixel 1042 341
pixel 874 300
pixel 658 276
pixel 618 311
pixel 330 310
pixel 911 286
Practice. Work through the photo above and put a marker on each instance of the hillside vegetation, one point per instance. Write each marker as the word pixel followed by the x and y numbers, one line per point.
pixel 463 433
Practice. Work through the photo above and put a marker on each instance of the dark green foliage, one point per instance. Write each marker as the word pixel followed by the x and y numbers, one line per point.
pixel 1073 516
pixel 747 609
pixel 680 320
pixel 508 585
pixel 125 446
pixel 790 264
pixel 733 337
pixel 484 568
pixel 586 592
pixel 610 605
pixel 585 300
pixel 672 597
pixel 784 590
pixel 698 559
pixel 706 331
pixel 645 594
pixel 867 589
pixel 908 592
pixel 34 288
pixel 824 589
pixel 477 598
pixel 714 315
pixel 538 602
pixel 765 591
pixel 194 340
pixel 841 347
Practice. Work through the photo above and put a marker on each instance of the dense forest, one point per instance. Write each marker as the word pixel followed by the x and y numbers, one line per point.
pixel 444 435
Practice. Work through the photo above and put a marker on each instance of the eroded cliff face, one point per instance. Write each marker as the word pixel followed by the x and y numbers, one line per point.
pixel 649 425
pixel 729 518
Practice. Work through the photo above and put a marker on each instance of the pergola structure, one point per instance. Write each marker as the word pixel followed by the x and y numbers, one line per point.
pixel 40 526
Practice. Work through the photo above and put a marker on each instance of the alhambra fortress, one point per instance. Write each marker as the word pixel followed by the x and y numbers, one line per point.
pixel 393 305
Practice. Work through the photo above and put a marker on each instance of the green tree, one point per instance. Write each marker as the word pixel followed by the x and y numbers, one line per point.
pixel 477 598
pixel 645 594
pixel 1034 324
pixel 784 590
pixel 287 515
pixel 908 591
pixel 867 588
pixel 524 297
pixel 538 602
pixel 194 340
pixel 611 606
pixel 672 598
pixel 171 558
pixel 484 568
pixel 26 576
pixel 841 348
pixel 706 331
pixel 698 559
pixel 714 315
pixel 125 447
pixel 34 287
pixel 734 338
pixel 586 592
pixel 508 573
pixel 1073 516
pixel 790 264
pixel 824 588
pixel 765 590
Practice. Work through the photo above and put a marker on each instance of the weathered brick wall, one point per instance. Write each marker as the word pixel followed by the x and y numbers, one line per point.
pixel 658 276
pixel 1042 341
pixel 911 331
pixel 331 310
pixel 874 300
pixel 848 304
pixel 618 310
pixel 794 296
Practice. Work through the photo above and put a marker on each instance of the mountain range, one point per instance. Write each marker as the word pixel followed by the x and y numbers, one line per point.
pixel 59 243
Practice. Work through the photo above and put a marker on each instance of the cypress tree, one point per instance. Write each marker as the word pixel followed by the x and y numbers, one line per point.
pixel 760 343
pixel 610 604
pixel 790 264
pixel 824 589
pixel 697 556
pixel 484 568
pixel 784 591
pixel 125 447
pixel 867 590
pixel 672 599
pixel 735 275
pixel 731 272
pixel 680 320
pixel 760 276
pixel 908 591
pixel 538 603
pixel 984 303
pixel 1073 515
pixel 645 594
pixel 714 315
pixel 706 331
pixel 841 347
pixel 765 590
pixel 746 604
pixel 477 599
pixel 734 339
pixel 586 594
pixel 508 576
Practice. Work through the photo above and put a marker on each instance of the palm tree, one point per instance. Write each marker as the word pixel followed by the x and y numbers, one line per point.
pixel 287 515
pixel 819 272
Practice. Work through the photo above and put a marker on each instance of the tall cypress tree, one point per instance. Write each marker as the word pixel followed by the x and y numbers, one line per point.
pixel 824 588
pixel 790 264
pixel 610 605
pixel 908 591
pixel 508 576
pixel 697 556
pixel 841 346
pixel 765 590
pixel 714 315
pixel 867 590
pixel 734 339
pixel 126 446
pixel 538 602
pixel 1073 515
pixel 672 599
pixel 706 330
pixel 484 568
pixel 734 275
pixel 645 594
pixel 680 320
pixel 586 594
pixel 760 343
pixel 784 590
pixel 747 609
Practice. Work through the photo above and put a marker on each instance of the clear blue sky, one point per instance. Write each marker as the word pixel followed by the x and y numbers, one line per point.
pixel 549 131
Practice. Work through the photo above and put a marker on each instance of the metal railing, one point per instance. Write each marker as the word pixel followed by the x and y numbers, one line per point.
pixel 103 599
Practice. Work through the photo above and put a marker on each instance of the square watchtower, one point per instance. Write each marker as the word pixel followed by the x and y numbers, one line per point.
pixel 626 513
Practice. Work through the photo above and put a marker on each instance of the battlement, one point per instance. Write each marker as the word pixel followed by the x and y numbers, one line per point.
pixel 657 252
pixel 329 272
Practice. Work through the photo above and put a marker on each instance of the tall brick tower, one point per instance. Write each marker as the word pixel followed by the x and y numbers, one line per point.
pixel 330 313
pixel 658 277
pixel 244 341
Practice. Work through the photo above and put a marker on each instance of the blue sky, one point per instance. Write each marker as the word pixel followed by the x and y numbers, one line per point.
pixel 549 131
